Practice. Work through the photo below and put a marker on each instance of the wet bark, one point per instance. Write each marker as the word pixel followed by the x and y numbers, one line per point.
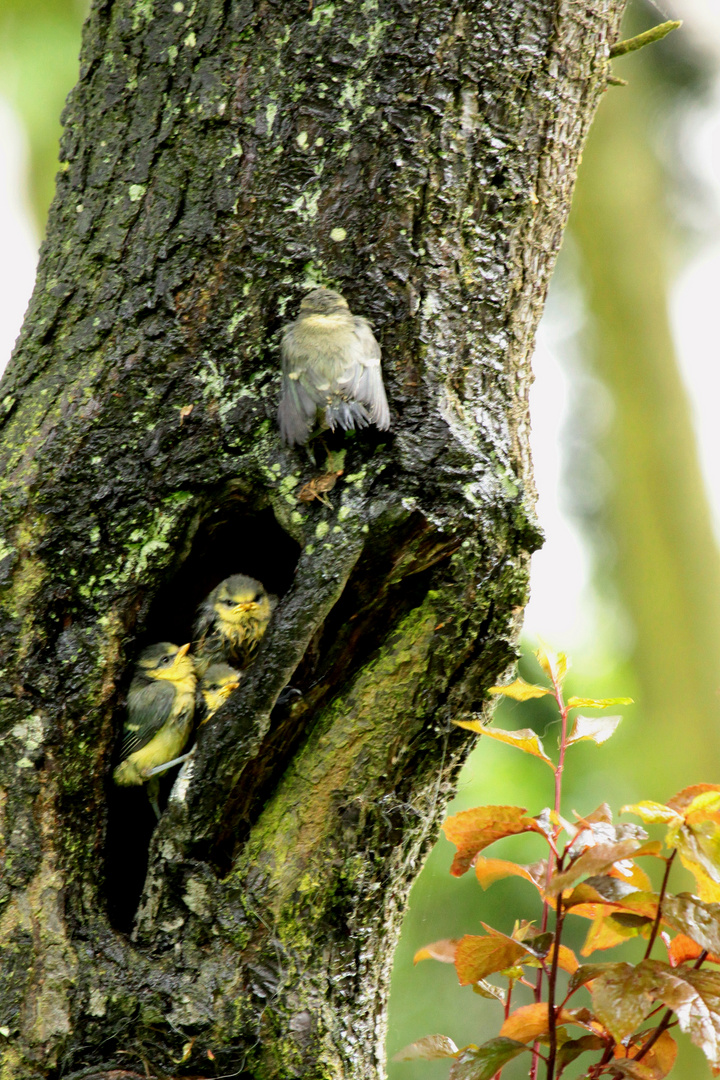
pixel 217 158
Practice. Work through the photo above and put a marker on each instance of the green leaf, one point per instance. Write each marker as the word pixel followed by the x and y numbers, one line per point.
pixel 473 830
pixel 592 861
pixel 694 997
pixel 574 1047
pixel 622 997
pixel 524 739
pixel 483 1062
pixel 598 703
pixel 429 1048
pixel 519 690
pixel 489 990
pixel 597 729
pixel 586 973
pixel 695 918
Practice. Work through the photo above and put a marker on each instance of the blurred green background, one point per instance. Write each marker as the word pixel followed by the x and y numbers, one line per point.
pixel 632 485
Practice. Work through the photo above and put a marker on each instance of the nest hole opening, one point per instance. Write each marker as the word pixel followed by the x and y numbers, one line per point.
pixel 229 541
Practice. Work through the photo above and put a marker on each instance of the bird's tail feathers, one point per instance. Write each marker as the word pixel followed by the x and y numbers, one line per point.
pixel 348 414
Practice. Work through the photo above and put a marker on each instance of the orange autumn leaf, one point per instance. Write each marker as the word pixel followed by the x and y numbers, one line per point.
pixel 530 1021
pixel 489 871
pixel 658 1061
pixel 473 830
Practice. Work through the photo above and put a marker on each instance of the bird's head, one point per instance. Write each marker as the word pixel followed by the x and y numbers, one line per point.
pixel 218 683
pixel 166 661
pixel 240 599
pixel 323 302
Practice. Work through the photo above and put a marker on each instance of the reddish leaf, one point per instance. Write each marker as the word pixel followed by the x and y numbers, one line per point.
pixel 519 690
pixel 473 830
pixel 683 948
pixel 530 1021
pixel 443 950
pixel 605 933
pixel 482 1062
pixel 603 813
pixel 597 729
pixel 478 955
pixel 683 798
pixel 489 871
pixel 524 739
pixel 592 861
pixel 594 896
pixel 655 1065
pixel 429 1048
pixel 567 960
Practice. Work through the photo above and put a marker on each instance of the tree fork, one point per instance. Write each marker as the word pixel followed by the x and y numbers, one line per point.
pixel 218 158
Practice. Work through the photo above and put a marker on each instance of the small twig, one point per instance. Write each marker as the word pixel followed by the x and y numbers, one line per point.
pixel 656 33
pixel 658 916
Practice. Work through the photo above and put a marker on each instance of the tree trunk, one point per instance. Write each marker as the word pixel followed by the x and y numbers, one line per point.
pixel 217 158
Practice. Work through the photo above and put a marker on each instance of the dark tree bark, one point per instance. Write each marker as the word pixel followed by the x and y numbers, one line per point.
pixel 216 158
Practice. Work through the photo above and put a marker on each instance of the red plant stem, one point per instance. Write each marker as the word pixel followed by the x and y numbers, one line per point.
pixel 552 982
pixel 554 863
pixel 658 917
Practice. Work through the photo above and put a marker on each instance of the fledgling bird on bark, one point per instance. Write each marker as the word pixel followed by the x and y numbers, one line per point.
pixel 215 687
pixel 160 709
pixel 331 366
pixel 230 622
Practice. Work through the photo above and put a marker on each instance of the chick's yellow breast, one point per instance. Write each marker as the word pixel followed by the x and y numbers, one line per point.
pixel 166 745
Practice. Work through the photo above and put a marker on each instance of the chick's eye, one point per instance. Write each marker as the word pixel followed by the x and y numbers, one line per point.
pixel 165 661
pixel 229 603
pixel 257 598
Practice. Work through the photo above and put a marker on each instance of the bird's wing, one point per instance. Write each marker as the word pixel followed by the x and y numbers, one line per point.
pixel 368 387
pixel 149 707
pixel 300 393
pixel 204 618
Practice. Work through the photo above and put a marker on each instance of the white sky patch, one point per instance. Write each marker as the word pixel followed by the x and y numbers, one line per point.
pixel 695 299
pixel 559 610
pixel 18 240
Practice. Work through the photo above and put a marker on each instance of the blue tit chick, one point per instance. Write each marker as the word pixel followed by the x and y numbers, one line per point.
pixel 214 688
pixel 331 366
pixel 160 709
pixel 231 621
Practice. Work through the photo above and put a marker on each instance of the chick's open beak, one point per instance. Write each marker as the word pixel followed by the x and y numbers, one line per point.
pixel 247 606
